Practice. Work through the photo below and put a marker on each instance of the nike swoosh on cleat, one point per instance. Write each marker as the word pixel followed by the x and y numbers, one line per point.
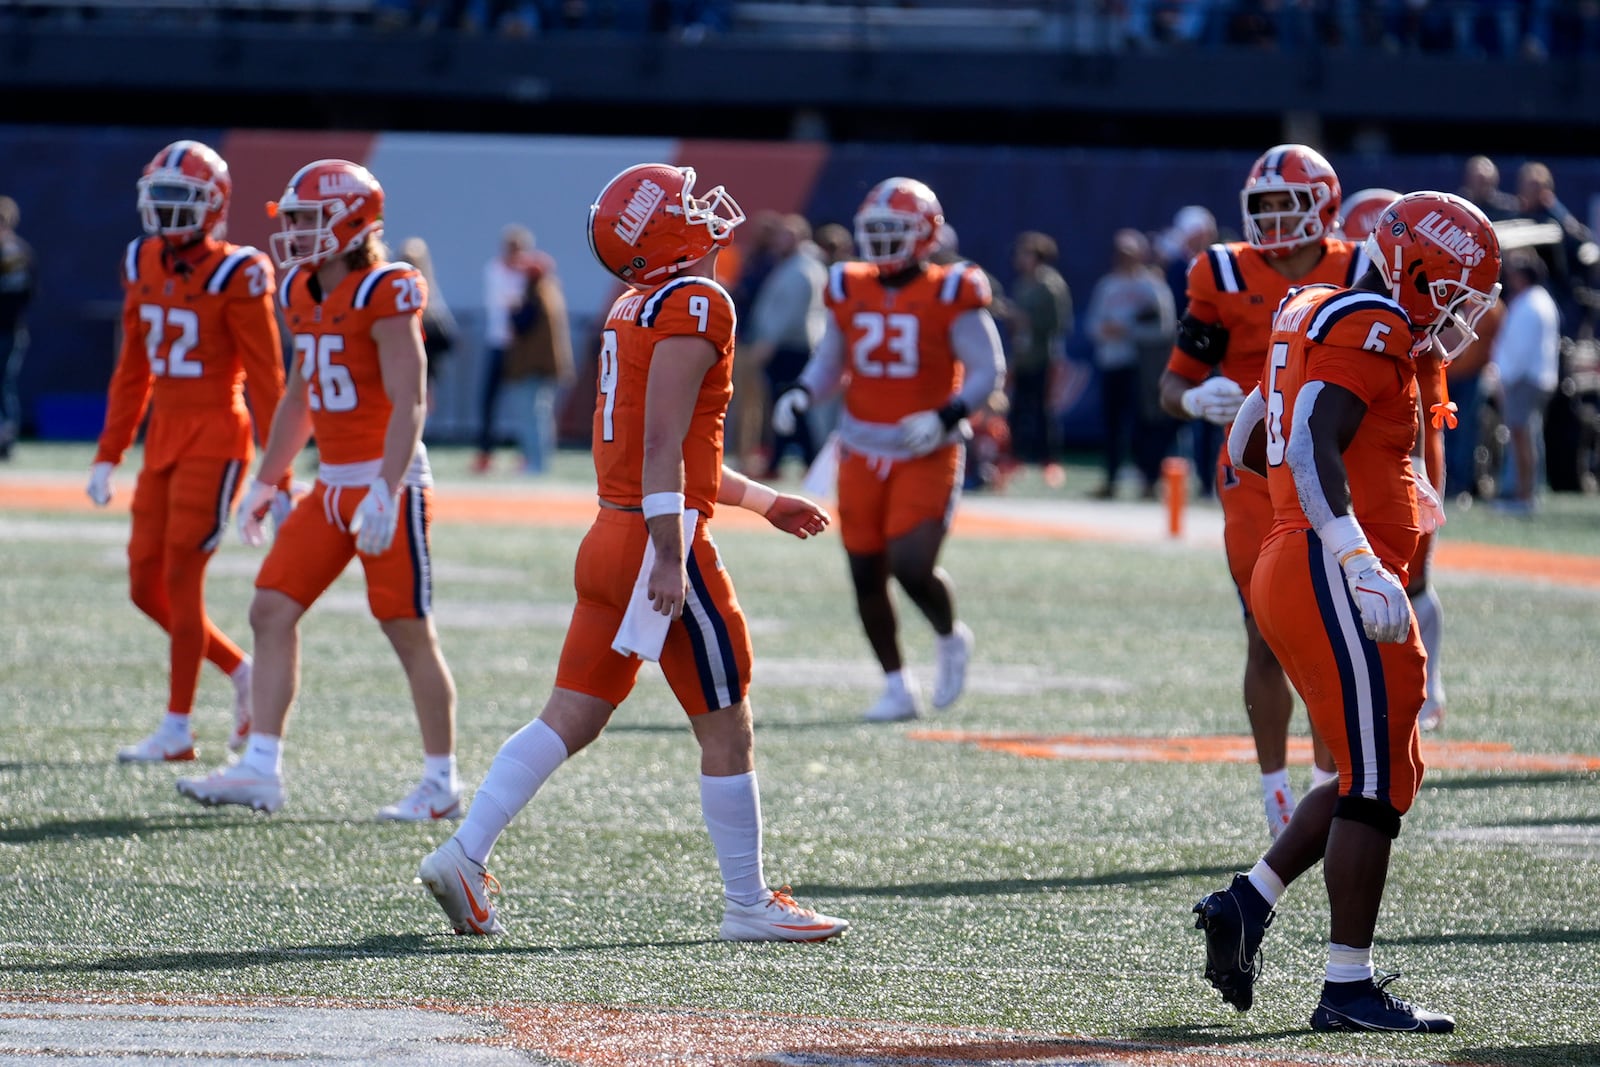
pixel 435 813
pixel 478 911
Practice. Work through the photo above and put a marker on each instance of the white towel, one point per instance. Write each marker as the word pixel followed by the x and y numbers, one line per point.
pixel 822 477
pixel 644 629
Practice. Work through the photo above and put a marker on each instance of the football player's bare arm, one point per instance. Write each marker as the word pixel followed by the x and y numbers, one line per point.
pixel 254 329
pixel 789 512
pixel 1247 440
pixel 291 429
pixel 677 367
pixel 403 363
pixel 1201 345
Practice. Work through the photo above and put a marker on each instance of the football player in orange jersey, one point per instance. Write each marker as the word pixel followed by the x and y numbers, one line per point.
pixel 1334 426
pixel 913 347
pixel 356 382
pixel 1290 203
pixel 1361 212
pixel 197 329
pixel 649 580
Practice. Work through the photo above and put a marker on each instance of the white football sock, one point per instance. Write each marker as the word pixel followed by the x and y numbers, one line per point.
pixel 442 770
pixel 731 807
pixel 1346 964
pixel 1267 883
pixel 263 753
pixel 524 763
pixel 1430 625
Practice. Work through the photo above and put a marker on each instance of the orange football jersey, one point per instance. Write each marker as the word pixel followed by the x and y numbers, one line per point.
pixel 335 355
pixel 193 330
pixel 1360 341
pixel 1235 286
pixel 898 358
pixel 686 307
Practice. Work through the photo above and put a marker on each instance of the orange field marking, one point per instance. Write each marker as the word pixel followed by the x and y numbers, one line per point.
pixel 566 505
pixel 1451 755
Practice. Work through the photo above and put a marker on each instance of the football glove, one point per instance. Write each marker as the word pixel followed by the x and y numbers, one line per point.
pixel 375 518
pixel 1216 399
pixel 789 407
pixel 258 503
pixel 99 488
pixel 1430 509
pixel 1379 596
pixel 921 432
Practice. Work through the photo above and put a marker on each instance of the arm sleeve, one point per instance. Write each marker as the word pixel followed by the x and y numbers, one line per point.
pixel 825 369
pixel 129 394
pixel 1251 413
pixel 976 342
pixel 1301 456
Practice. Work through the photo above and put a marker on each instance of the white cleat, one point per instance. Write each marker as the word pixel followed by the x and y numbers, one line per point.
pixel 953 654
pixel 427 802
pixel 241 707
pixel 166 745
pixel 897 704
pixel 462 889
pixel 235 784
pixel 778 918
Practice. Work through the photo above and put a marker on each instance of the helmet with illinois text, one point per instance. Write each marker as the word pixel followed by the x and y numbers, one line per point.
pixel 329 208
pixel 648 224
pixel 1290 200
pixel 184 192
pixel 898 224
pixel 1361 211
pixel 1439 258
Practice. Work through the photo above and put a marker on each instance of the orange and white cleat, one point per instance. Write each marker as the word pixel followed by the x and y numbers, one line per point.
pixel 166 745
pixel 462 889
pixel 778 918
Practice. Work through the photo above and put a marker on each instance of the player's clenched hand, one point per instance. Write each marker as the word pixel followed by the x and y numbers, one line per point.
pixel 253 511
pixel 791 404
pixel 99 488
pixel 375 518
pixel 797 515
pixel 1379 596
pixel 921 432
pixel 1217 400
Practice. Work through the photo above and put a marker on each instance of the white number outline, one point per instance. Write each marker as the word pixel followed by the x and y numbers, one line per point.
pixel 175 364
pixel 879 332
pixel 333 386
pixel 609 367
pixel 1277 443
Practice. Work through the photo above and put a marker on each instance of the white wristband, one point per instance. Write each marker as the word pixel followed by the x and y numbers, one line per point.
pixel 662 504
pixel 758 498
pixel 1342 536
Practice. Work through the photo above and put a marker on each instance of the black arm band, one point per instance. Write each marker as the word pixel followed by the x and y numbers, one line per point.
pixel 1205 341
pixel 952 413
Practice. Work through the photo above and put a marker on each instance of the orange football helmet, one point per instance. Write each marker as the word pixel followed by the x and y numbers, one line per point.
pixel 184 192
pixel 647 224
pixel 898 224
pixel 1361 211
pixel 1440 259
pixel 328 208
pixel 1297 169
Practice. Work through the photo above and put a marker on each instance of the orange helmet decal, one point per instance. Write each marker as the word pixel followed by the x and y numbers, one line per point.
pixel 184 192
pixel 1303 173
pixel 1440 259
pixel 647 224
pixel 328 208
pixel 898 224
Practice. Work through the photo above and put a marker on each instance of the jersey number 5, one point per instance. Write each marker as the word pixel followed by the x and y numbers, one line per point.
pixel 1276 444
pixel 335 388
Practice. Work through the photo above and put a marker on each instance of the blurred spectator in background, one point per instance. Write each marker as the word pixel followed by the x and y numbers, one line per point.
pixel 439 328
pixel 1526 359
pixel 1480 184
pixel 1130 307
pixel 1193 229
pixel 1567 275
pixel 1041 321
pixel 1464 376
pixel 745 265
pixel 505 286
pixel 16 290
pixel 538 364
pixel 784 325
pixel 835 243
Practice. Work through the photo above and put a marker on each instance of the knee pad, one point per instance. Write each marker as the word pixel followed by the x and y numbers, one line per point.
pixel 1378 814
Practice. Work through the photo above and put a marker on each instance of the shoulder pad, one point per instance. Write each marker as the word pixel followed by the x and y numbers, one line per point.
pixel 242 262
pixel 1355 319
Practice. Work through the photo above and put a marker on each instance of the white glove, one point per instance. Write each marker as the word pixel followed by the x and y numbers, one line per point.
pixel 788 409
pixel 261 500
pixel 99 488
pixel 921 432
pixel 1430 509
pixel 1379 596
pixel 1216 399
pixel 375 518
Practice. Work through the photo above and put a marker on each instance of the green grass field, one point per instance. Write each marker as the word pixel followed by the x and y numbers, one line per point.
pixel 988 891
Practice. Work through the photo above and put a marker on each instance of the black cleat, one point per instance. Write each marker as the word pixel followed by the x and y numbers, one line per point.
pixel 1365 1005
pixel 1235 920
